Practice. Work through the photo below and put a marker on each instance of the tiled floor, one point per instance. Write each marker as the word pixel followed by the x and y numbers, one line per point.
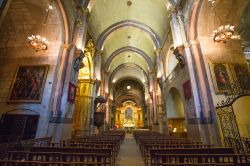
pixel 129 154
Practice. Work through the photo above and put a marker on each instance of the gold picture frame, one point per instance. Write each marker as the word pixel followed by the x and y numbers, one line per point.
pixel 221 77
pixel 28 84
pixel 241 74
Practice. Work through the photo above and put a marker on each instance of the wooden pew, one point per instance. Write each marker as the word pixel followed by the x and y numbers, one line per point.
pixel 187 151
pixel 147 148
pixel 111 145
pixel 202 159
pixel 107 151
pixel 83 158
pixel 46 163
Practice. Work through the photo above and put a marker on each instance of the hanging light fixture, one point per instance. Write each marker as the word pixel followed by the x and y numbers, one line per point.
pixel 38 43
pixel 223 33
pixel 212 2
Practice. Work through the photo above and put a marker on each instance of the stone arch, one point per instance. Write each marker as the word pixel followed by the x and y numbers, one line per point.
pixel 22 111
pixel 170 61
pixel 65 22
pixel 175 111
pixel 131 49
pixel 241 108
pixel 155 38
pixel 174 104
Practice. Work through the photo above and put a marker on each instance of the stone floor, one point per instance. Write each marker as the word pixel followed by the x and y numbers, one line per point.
pixel 129 154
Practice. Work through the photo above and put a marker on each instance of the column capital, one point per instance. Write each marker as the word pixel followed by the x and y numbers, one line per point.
pixel 98 52
pixel 66 46
pixel 194 42
pixel 84 10
pixel 158 51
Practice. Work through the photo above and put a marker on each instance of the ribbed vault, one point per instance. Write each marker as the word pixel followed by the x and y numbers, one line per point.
pixel 128 32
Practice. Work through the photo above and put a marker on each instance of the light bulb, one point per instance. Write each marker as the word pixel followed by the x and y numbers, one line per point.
pixel 50 7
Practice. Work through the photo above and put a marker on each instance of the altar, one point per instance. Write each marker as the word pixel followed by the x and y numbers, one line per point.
pixel 128 117
pixel 129 123
pixel 128 127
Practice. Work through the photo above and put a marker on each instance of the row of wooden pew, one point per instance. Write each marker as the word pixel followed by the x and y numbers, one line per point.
pixel 161 150
pixel 95 150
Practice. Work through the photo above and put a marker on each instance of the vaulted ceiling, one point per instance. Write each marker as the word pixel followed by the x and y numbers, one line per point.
pixel 128 32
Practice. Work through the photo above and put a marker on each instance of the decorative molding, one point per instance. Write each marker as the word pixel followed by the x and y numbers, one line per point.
pixel 126 49
pixel 132 65
pixel 103 36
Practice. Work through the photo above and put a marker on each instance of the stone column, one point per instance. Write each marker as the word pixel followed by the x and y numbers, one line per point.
pixel 159 89
pixel 94 95
pixel 180 38
pixel 150 112
pixel 153 97
pixel 67 73
pixel 207 124
pixel 200 106
pixel 98 65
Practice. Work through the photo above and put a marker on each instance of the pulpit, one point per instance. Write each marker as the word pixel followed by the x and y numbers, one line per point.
pixel 99 118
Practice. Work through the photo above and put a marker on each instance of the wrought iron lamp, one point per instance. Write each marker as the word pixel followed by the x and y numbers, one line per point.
pixel 223 33
pixel 38 43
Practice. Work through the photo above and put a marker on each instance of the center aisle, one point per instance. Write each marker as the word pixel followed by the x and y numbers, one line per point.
pixel 129 154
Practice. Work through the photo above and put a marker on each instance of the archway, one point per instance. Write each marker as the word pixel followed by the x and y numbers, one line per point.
pixel 175 113
pixel 129 116
pixel 241 109
pixel 18 124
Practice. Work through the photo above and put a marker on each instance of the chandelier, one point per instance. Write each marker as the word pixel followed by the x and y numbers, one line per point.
pixel 38 43
pixel 223 33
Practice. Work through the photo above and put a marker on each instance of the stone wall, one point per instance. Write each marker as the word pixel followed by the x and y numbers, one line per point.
pixel 26 17
pixel 213 52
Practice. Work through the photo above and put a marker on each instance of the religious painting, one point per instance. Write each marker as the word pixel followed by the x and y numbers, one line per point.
pixel 221 77
pixel 129 114
pixel 71 92
pixel 241 74
pixel 28 84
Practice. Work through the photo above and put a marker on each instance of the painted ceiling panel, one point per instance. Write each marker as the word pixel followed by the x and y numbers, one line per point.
pixel 129 37
pixel 105 13
pixel 128 57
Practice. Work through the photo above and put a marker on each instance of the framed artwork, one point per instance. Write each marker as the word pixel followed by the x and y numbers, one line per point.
pixel 71 92
pixel 221 77
pixel 241 74
pixel 28 84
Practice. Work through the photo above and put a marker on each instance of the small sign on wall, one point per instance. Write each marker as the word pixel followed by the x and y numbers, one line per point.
pixel 71 92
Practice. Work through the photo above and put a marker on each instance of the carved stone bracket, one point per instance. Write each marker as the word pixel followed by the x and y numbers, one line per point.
pixel 178 52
